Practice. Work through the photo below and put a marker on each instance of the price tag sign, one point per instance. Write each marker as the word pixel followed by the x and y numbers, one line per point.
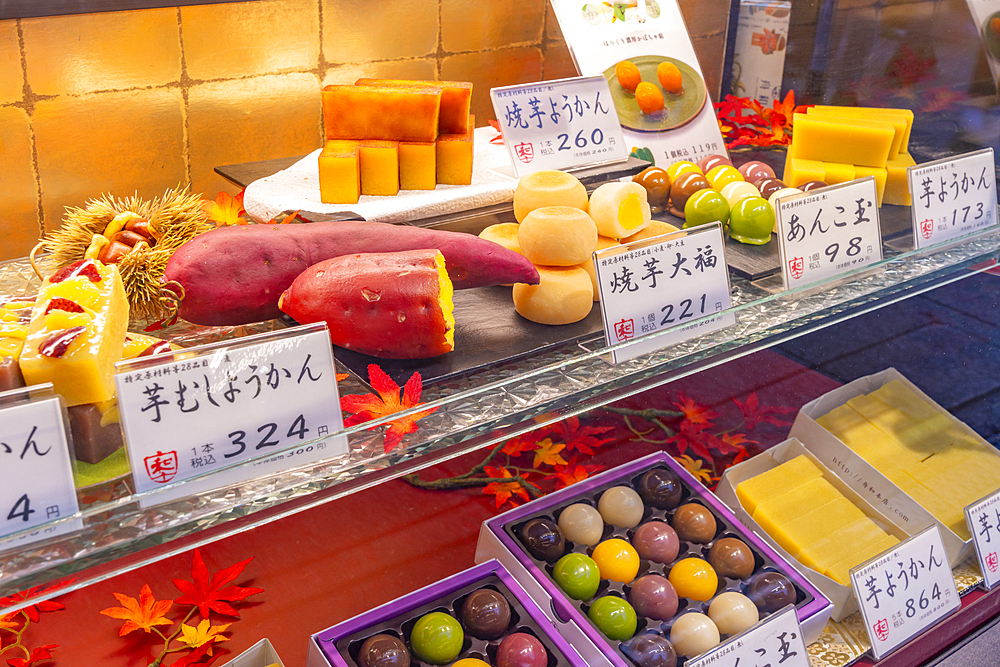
pixel 952 197
pixel 662 283
pixel 199 410
pixel 983 519
pixel 36 465
pixel 905 591
pixel 775 641
pixel 827 232
pixel 565 124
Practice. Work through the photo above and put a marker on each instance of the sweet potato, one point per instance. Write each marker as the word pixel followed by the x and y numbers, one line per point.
pixel 234 275
pixel 395 305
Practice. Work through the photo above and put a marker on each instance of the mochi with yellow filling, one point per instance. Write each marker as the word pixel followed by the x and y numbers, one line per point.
pixel 620 209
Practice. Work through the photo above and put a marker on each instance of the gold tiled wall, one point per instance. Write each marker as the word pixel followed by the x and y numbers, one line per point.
pixel 141 101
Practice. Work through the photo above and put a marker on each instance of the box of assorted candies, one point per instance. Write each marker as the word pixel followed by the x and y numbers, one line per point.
pixel 480 617
pixel 641 566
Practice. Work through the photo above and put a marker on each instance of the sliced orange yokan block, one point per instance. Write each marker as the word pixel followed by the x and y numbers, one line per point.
pixel 454 157
pixel 456 100
pixel 842 140
pixel 897 191
pixel 417 165
pixel 77 332
pixel 340 172
pixel 379 168
pixel 381 112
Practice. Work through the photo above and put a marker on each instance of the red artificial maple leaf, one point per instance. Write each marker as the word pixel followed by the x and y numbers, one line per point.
pixel 582 439
pixel 527 442
pixel 37 655
pixel 504 491
pixel 32 610
pixel 755 414
pixel 573 473
pixel 369 406
pixel 211 593
pixel 695 412
pixel 496 126
pixel 692 437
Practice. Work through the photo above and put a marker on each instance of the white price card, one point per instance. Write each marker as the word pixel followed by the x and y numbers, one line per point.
pixel 563 124
pixel 983 519
pixel 663 283
pixel 905 590
pixel 827 232
pixel 775 641
pixel 36 465
pixel 952 197
pixel 200 410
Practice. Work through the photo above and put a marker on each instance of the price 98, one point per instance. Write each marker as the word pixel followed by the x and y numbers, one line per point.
pixel 853 248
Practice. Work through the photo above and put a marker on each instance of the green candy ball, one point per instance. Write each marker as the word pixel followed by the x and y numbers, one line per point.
pixel 614 617
pixel 752 221
pixel 577 575
pixel 437 638
pixel 705 206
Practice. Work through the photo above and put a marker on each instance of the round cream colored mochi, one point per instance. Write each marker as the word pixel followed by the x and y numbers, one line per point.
pixel 563 295
pixel 588 266
pixel 504 233
pixel 557 236
pixel 619 209
pixel 548 188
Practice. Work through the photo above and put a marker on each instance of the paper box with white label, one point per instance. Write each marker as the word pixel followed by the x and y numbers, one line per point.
pixel 810 516
pixel 476 613
pixel 644 502
pixel 921 463
pixel 759 52
pixel 261 654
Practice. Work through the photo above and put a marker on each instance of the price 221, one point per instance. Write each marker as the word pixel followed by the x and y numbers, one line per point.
pixel 266 436
pixel 685 310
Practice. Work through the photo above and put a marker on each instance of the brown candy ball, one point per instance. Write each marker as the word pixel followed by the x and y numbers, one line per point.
pixel 656 181
pixel 732 558
pixel 694 523
pixel 686 185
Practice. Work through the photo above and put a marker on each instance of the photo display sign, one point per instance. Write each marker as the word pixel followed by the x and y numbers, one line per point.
pixel 662 283
pixel 201 409
pixel 36 466
pixel 983 519
pixel 563 125
pixel 986 18
pixel 827 232
pixel 952 197
pixel 775 641
pixel 905 591
pixel 679 121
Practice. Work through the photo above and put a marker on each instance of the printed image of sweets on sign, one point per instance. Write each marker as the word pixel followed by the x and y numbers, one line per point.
pixel 198 411
pixel 828 232
pixel 952 197
pixel 777 640
pixel 36 466
pixel 983 519
pixel 664 283
pixel 905 591
pixel 559 124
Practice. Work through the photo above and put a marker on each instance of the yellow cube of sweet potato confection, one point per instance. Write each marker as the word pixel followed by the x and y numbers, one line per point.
pixel 893 116
pixel 880 175
pixel 776 481
pixel 896 189
pixel 837 172
pixel 454 157
pixel 816 524
pixel 841 140
pixel 340 172
pixel 456 100
pixel 417 165
pixel 841 572
pixel 797 501
pixel 379 168
pixel 840 544
pixel 799 171
pixel 381 112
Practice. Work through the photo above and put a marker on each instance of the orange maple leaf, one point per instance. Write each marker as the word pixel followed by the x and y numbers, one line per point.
pixel 693 466
pixel 225 209
pixel 572 474
pixel 504 491
pixel 284 221
pixel 548 454
pixel 143 613
pixel 695 412
pixel 365 407
pixel 6 622
pixel 521 444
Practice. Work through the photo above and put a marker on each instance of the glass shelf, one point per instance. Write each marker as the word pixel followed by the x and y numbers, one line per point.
pixel 473 411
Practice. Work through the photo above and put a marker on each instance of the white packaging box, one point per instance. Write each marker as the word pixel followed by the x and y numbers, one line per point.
pixel 842 597
pixel 759 51
pixel 260 654
pixel 861 475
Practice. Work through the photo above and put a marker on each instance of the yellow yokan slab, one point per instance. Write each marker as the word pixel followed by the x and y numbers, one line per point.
pixel 893 115
pixel 897 190
pixel 379 162
pixel 772 483
pixel 381 112
pixel 842 140
pixel 340 172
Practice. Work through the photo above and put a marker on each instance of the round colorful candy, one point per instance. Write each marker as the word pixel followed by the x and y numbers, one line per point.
pixel 752 221
pixel 661 488
pixel 693 633
pixel 577 575
pixel 656 180
pixel 654 597
pixel 470 662
pixel 738 190
pixel 656 541
pixel 813 185
pixel 710 162
pixel 756 170
pixel 651 650
pixel 694 523
pixel 383 651
pixel 783 192
pixel 621 506
pixel 771 591
pixel 693 578
pixel 722 174
pixel 614 617
pixel 682 167
pixel 731 557
pixel 733 613
pixel 437 638
pixel 582 524
pixel 705 206
pixel 683 187
pixel 521 650
pixel 543 539
pixel 769 186
pixel 485 614
pixel 617 560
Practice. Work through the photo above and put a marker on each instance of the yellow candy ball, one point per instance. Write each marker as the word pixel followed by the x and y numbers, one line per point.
pixel 723 174
pixel 616 560
pixel 694 578
pixel 678 168
pixel 470 662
